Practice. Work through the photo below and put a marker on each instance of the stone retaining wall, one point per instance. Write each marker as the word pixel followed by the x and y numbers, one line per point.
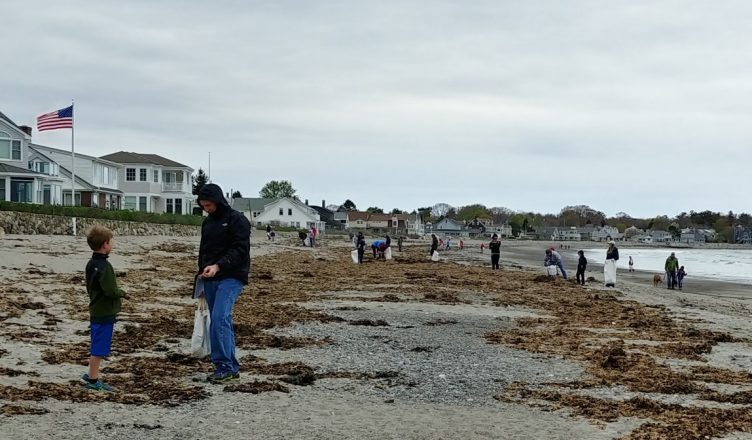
pixel 38 224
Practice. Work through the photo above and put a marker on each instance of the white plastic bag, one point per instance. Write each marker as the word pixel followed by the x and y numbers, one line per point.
pixel 388 253
pixel 609 272
pixel 200 341
pixel 435 256
pixel 354 255
pixel 551 271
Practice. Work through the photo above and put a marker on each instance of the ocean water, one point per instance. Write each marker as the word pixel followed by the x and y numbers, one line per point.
pixel 719 264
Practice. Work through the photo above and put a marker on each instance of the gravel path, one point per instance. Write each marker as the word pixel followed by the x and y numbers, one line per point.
pixel 439 351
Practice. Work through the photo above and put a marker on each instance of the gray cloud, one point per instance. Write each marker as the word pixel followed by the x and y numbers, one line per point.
pixel 625 106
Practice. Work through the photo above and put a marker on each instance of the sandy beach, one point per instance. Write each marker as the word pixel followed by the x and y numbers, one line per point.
pixel 401 349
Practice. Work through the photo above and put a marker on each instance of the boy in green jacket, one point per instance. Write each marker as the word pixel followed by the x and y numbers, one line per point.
pixel 104 304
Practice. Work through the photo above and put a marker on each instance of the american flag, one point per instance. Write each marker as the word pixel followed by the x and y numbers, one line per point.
pixel 62 118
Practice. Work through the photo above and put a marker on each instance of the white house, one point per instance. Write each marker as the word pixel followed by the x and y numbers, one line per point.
pixel 448 226
pixel 251 207
pixel 567 234
pixel 606 233
pixel 291 213
pixel 96 179
pixel 691 235
pixel 357 220
pixel 661 236
pixel 19 180
pixel 152 183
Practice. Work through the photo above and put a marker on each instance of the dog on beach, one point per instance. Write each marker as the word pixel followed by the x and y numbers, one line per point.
pixel 657 280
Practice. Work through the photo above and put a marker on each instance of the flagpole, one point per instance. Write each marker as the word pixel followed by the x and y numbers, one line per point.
pixel 73 169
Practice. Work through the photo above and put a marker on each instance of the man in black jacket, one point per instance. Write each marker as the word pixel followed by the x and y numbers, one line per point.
pixel 224 262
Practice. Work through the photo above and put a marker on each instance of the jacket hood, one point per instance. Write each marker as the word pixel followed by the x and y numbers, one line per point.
pixel 213 193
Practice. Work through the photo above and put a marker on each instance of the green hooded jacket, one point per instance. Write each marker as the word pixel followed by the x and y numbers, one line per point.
pixel 672 264
pixel 101 285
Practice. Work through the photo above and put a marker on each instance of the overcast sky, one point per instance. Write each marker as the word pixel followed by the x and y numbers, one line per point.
pixel 635 106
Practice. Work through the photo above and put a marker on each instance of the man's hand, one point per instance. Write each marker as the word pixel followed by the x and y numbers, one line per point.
pixel 210 271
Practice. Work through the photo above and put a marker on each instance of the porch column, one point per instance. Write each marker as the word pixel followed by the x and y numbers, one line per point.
pixel 7 188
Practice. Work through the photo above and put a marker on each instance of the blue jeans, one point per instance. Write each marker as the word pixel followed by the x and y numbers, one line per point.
pixel 560 265
pixel 221 296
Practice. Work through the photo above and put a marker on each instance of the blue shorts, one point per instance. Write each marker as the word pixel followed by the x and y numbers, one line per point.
pixel 101 338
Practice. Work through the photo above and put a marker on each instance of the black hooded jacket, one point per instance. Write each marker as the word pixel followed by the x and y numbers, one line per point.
pixel 225 238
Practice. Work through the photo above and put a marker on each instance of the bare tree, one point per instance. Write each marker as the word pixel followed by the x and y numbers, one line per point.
pixel 440 209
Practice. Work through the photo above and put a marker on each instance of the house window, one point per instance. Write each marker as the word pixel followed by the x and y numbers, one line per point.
pixel 142 175
pixel 281 211
pixel 4 146
pixel 130 174
pixel 21 191
pixel 289 211
pixel 255 214
pixel 129 203
pixel 169 206
pixel 2 189
pixel 178 206
pixel 16 150
pixel 156 176
pixel 142 204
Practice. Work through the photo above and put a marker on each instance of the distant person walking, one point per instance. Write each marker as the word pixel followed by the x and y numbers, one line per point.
pixel 434 244
pixel 581 266
pixel 672 266
pixel 680 276
pixel 448 243
pixel 462 244
pixel 312 237
pixel 482 246
pixel 360 245
pixel 631 264
pixel 388 240
pixel 495 246
pixel 609 267
pixel 399 243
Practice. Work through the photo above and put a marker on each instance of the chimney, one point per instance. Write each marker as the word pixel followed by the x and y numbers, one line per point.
pixel 306 202
pixel 26 129
pixel 323 203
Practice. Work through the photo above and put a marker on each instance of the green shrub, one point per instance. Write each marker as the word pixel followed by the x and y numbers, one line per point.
pixel 80 211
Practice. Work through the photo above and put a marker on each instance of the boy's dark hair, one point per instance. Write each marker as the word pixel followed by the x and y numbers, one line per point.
pixel 97 236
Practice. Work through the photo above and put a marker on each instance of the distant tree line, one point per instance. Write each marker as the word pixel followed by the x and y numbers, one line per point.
pixel 575 215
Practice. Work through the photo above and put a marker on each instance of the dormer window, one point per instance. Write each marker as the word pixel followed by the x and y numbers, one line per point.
pixel 9 148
